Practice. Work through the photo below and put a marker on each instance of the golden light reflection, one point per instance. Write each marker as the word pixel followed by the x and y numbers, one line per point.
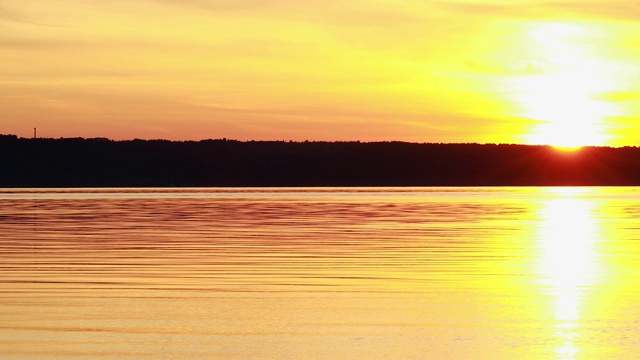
pixel 568 236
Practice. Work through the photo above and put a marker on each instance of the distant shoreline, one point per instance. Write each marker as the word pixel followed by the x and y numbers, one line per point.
pixel 99 162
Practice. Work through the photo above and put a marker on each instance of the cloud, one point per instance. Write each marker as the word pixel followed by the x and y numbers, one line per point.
pixel 37 44
pixel 620 10
pixel 522 66
pixel 223 5
pixel 595 9
pixel 621 96
pixel 7 15
pixel 64 43
pixel 353 13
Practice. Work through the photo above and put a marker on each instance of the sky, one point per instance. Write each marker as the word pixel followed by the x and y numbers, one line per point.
pixel 559 72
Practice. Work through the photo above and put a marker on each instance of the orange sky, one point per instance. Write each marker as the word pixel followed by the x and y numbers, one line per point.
pixel 561 72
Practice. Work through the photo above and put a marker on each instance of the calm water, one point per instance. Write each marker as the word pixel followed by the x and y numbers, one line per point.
pixel 373 273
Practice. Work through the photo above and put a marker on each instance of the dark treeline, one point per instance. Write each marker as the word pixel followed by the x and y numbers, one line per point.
pixel 77 162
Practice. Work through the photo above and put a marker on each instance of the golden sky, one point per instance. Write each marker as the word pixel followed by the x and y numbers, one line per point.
pixel 561 72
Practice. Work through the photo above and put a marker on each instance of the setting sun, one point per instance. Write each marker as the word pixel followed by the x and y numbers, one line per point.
pixel 564 98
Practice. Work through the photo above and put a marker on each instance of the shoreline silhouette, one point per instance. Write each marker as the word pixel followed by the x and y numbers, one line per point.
pixel 100 162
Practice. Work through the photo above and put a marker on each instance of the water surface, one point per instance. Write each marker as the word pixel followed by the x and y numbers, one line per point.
pixel 338 273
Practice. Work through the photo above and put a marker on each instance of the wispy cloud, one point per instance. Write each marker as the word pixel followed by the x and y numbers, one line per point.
pixel 598 9
pixel 223 5
pixel 38 44
pixel 8 15
pixel 613 9
pixel 353 13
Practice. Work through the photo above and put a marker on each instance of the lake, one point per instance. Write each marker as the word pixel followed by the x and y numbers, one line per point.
pixel 320 273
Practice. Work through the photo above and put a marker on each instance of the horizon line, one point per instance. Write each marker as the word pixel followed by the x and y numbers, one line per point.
pixel 560 148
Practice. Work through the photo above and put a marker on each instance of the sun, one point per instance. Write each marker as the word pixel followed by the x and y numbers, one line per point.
pixel 564 99
pixel 567 110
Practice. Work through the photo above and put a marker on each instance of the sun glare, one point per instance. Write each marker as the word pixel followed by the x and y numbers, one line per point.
pixel 565 98
pixel 568 262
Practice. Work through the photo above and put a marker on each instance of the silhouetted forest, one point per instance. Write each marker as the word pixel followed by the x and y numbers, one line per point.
pixel 98 162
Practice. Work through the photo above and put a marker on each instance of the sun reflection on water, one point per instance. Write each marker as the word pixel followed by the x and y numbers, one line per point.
pixel 568 236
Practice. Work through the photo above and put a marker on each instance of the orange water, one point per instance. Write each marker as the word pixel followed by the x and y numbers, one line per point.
pixel 339 273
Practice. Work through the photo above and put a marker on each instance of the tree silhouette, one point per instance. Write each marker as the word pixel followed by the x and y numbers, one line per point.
pixel 99 162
